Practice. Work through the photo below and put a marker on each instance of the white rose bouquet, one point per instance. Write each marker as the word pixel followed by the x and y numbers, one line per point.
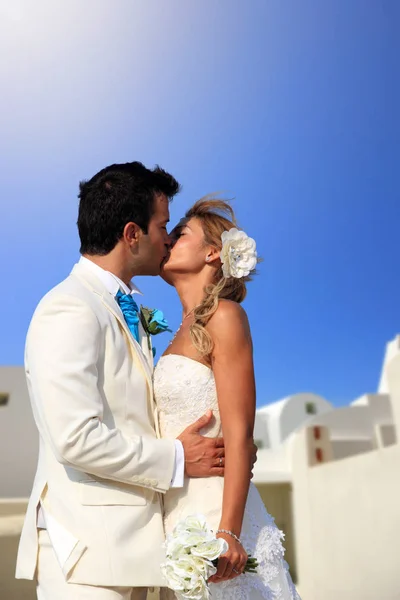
pixel 192 552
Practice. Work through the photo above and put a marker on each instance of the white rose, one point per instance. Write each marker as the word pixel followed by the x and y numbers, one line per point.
pixel 204 566
pixel 185 575
pixel 174 580
pixel 189 532
pixel 192 523
pixel 238 254
pixel 187 539
pixel 190 549
pixel 186 569
pixel 199 591
pixel 175 547
pixel 211 549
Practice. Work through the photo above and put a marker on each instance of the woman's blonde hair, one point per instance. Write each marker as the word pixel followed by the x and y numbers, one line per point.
pixel 215 216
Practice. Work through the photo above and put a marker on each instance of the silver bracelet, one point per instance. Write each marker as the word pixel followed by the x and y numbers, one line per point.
pixel 235 537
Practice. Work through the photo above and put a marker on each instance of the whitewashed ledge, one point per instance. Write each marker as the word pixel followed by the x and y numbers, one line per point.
pixel 11 525
pixel 12 513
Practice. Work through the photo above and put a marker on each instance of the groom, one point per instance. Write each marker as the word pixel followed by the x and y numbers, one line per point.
pixel 93 529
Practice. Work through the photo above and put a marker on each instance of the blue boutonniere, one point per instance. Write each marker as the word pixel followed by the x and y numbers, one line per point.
pixel 153 322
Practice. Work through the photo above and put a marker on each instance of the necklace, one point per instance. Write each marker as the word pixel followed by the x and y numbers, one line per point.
pixel 179 328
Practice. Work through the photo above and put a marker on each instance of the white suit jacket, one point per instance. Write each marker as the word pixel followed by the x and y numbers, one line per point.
pixel 101 466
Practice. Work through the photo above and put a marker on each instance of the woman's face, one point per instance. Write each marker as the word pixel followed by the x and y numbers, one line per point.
pixel 188 252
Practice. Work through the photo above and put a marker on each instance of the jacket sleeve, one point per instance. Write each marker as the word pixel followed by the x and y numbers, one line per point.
pixel 62 352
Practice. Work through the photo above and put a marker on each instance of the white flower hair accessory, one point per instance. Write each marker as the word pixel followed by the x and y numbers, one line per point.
pixel 238 254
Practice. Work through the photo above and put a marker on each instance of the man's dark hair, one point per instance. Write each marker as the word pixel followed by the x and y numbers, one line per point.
pixel 115 196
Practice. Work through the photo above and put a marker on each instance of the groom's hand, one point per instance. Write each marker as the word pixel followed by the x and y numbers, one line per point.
pixel 204 457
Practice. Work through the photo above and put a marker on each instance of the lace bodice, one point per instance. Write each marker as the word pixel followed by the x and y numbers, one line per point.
pixel 184 389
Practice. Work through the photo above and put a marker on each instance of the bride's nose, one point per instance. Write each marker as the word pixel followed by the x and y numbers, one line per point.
pixel 173 239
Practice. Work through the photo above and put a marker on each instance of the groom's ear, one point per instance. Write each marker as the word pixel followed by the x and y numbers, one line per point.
pixel 132 233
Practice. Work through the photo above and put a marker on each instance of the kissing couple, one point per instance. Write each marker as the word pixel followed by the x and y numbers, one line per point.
pixel 128 450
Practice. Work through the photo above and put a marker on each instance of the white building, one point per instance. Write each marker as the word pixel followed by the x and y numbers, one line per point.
pixel 19 443
pixel 346 512
pixel 330 477
pixel 331 434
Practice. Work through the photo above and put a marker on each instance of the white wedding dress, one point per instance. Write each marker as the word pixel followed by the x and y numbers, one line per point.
pixel 184 390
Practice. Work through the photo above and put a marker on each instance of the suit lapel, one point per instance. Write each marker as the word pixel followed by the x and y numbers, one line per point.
pixel 145 343
pixel 93 283
pixel 116 311
pixel 147 349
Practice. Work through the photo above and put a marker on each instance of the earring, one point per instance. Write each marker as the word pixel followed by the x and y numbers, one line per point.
pixel 207 259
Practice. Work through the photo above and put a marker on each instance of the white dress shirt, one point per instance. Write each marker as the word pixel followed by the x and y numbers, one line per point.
pixel 113 284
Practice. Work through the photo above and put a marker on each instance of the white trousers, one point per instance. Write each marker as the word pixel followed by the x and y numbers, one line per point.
pixel 51 584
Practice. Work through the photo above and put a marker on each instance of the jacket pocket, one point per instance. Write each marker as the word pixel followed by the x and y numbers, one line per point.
pixel 96 493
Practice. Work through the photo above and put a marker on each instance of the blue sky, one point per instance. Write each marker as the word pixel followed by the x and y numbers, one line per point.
pixel 290 107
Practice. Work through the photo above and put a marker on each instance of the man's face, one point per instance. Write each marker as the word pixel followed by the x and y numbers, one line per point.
pixel 154 246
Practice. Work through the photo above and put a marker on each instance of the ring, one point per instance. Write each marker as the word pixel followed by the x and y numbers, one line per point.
pixel 220 461
pixel 237 572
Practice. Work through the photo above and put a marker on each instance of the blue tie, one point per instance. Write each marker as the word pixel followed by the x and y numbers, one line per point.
pixel 130 311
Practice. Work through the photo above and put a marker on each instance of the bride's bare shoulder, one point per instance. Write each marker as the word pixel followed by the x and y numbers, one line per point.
pixel 229 316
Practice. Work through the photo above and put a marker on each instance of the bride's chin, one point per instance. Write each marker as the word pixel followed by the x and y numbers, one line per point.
pixel 166 275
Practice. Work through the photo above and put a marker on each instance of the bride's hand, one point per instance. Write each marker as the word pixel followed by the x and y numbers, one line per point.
pixel 232 563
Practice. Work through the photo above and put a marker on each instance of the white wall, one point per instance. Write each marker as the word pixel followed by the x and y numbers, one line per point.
pixel 392 348
pixel 272 466
pixel 347 518
pixel 347 422
pixel 261 435
pixel 344 448
pixel 364 425
pixel 379 405
pixel 347 524
pixel 393 377
pixel 18 436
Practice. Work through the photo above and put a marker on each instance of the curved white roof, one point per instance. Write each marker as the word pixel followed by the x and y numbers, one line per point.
pixel 275 408
pixel 287 414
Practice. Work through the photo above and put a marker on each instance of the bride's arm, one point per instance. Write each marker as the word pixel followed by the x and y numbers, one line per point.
pixel 232 364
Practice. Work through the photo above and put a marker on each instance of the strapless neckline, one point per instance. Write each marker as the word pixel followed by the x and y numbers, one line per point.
pixel 192 360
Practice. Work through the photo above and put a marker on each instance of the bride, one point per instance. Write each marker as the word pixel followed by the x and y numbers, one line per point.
pixel 209 366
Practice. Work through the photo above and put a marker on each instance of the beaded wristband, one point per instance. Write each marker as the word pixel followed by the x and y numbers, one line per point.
pixel 231 534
